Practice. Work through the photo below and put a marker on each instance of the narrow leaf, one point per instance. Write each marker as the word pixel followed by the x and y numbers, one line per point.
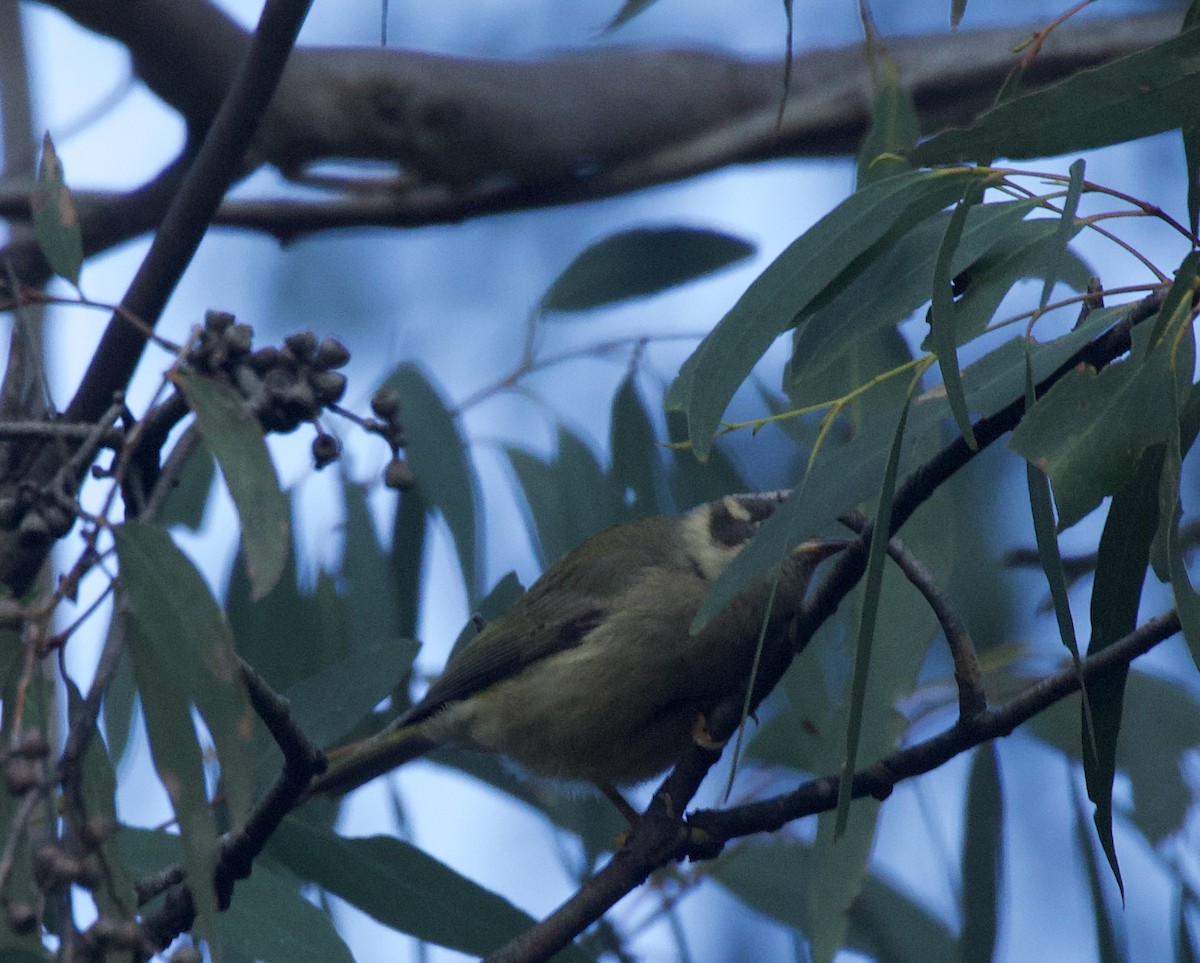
pixel 1108 925
pixel 941 314
pixel 831 251
pixel 400 886
pixel 569 498
pixel 180 766
pixel 1124 555
pixel 629 10
pixel 866 630
pixel 641 262
pixel 1139 95
pixel 637 469
pixel 982 857
pixel 328 705
pixel 894 130
pixel 1066 230
pixel 236 440
pixel 1087 431
pixel 1042 509
pixel 1187 602
pixel 182 633
pixel 442 465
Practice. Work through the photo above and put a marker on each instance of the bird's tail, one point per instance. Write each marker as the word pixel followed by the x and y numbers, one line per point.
pixel 358 763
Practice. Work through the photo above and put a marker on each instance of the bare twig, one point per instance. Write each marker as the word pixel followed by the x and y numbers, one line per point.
pixel 972 700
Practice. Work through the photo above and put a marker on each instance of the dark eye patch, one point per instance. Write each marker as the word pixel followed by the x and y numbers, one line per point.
pixel 727 528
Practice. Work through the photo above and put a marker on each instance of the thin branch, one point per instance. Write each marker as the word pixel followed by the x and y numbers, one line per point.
pixel 972 699
pixel 713 827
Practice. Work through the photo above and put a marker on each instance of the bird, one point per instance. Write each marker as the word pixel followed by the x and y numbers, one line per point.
pixel 593 675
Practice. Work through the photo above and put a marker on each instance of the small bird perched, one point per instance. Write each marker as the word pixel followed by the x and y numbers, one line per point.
pixel 593 675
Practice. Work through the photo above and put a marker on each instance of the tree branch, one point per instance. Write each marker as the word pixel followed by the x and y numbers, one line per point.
pixel 478 137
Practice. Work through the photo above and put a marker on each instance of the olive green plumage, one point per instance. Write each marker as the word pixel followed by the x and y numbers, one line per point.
pixel 592 675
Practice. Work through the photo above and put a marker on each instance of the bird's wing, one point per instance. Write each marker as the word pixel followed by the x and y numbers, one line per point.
pixel 556 614
pixel 522 635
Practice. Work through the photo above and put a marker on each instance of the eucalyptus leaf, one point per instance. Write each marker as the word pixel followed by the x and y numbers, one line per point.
pixel 823 259
pixel 640 262
pixel 235 438
pixel 894 130
pixel 982 857
pixel 182 634
pixel 637 464
pixel 401 886
pixel 442 465
pixel 569 498
pixel 1136 96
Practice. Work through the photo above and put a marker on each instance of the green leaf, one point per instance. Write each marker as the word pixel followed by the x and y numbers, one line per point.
pixel 809 888
pixel 1087 431
pixel 872 587
pixel 406 561
pixel 120 703
pixel 328 705
pixel 1157 712
pixel 116 898
pixel 569 498
pixel 694 482
pixel 888 925
pixel 180 766
pixel 991 278
pixel 1187 602
pixel 1109 927
pixel 1176 311
pixel 1124 555
pixel 55 221
pixel 982 857
pixel 1067 229
pixel 400 886
pixel 957 9
pixel 1139 95
pixel 829 254
pixel 235 438
pixel 894 130
pixel 267 919
pixel 637 465
pixel 844 476
pixel 182 635
pixel 641 262
pixel 898 281
pixel 315 621
pixel 442 466
pixel 185 503
pixel 941 312
pixel 372 608
pixel 1042 508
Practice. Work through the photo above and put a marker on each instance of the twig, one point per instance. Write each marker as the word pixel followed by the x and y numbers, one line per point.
pixel 972 699
pixel 713 828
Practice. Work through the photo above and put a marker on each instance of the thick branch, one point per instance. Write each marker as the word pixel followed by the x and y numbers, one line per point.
pixel 457 121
